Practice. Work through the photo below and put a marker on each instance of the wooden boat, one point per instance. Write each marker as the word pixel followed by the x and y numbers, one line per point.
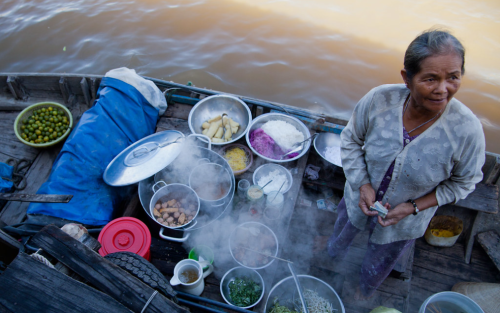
pixel 405 289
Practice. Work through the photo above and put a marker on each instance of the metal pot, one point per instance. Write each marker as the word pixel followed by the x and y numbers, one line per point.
pixel 179 192
pixel 207 213
pixel 211 182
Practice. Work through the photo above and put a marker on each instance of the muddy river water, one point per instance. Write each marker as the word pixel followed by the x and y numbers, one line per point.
pixel 318 54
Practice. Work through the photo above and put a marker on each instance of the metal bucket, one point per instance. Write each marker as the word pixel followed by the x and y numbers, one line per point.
pixel 207 214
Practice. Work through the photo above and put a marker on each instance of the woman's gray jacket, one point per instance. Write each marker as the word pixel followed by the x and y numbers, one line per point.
pixel 448 157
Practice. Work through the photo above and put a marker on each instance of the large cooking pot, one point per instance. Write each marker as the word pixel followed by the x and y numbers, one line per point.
pixel 178 171
pixel 211 182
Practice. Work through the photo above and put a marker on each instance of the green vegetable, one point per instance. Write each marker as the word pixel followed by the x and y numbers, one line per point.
pixel 244 291
pixel 277 308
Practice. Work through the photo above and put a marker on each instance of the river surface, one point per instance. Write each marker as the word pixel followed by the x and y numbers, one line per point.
pixel 318 54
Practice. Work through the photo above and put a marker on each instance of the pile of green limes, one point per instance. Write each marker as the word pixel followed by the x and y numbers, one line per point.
pixel 44 125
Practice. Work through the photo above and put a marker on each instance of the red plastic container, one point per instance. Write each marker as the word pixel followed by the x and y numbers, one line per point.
pixel 125 234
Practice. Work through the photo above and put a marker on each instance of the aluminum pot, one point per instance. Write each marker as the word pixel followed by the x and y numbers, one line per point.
pixel 179 192
pixel 194 155
pixel 211 182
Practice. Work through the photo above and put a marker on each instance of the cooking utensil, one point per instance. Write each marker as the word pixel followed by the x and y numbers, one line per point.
pixel 325 140
pixel 215 105
pixel 178 192
pixel 206 214
pixel 234 273
pixel 251 232
pixel 267 184
pixel 298 146
pixel 299 289
pixel 285 289
pixel 265 169
pixel 35 198
pixel 268 255
pixel 132 166
pixel 141 151
pixel 264 118
pixel 278 191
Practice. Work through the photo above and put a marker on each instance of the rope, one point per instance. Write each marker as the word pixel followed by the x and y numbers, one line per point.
pixel 149 301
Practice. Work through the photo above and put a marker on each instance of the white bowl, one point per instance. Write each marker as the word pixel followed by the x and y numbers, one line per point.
pixel 264 118
pixel 231 275
pixel 267 168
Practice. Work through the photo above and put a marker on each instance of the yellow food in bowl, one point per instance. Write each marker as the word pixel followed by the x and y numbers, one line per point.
pixel 442 233
pixel 237 159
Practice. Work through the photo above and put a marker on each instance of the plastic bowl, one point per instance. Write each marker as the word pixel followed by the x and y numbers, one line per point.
pixel 234 273
pixel 265 169
pixel 248 153
pixel 451 302
pixel 264 118
pixel 212 106
pixel 285 292
pixel 256 236
pixel 447 223
pixel 29 111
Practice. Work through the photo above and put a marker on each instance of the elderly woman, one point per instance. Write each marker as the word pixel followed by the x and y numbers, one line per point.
pixel 411 146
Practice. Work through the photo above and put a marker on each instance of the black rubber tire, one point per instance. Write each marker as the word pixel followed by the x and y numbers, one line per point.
pixel 145 271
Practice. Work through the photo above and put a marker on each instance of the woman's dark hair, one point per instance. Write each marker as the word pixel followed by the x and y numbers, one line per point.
pixel 431 43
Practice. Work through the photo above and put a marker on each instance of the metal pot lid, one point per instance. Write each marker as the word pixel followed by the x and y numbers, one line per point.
pixel 144 158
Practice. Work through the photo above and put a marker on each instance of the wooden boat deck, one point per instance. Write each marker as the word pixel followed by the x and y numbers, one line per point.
pixel 432 270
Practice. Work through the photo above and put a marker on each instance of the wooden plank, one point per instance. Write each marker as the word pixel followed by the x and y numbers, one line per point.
pixel 16 88
pixel 39 288
pixel 491 168
pixel 452 266
pixel 484 198
pixel 469 240
pixel 15 212
pixel 86 91
pixel 490 241
pixel 9 247
pixel 178 124
pixel 65 91
pixel 178 110
pixel 133 207
pixel 101 273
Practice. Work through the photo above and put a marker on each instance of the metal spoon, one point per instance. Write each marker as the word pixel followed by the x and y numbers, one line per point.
pixel 298 148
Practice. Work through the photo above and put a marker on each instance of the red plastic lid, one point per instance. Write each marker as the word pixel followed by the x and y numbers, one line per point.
pixel 125 234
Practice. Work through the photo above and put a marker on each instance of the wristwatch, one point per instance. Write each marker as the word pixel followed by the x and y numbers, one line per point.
pixel 414 205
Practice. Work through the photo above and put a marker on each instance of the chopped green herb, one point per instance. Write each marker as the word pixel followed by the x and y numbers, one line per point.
pixel 244 291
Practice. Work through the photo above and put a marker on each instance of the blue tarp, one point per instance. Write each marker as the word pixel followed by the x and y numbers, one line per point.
pixel 120 116
pixel 5 175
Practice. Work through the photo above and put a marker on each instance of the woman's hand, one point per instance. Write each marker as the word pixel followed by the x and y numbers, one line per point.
pixel 394 216
pixel 366 199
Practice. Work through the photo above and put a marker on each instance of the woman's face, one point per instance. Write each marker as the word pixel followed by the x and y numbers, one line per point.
pixel 436 83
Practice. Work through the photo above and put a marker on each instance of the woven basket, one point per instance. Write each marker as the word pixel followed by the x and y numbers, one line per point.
pixel 486 295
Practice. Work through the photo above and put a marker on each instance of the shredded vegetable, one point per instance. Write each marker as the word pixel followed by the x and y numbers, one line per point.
pixel 237 158
pixel 244 291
